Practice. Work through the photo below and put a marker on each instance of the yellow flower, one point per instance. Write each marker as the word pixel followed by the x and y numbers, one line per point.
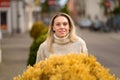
pixel 67 67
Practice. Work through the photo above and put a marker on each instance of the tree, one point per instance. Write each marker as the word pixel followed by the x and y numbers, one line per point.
pixel 37 2
pixel 65 9
pixel 105 4
pixel 45 7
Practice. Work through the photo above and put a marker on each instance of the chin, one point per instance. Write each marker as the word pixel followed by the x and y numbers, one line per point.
pixel 62 36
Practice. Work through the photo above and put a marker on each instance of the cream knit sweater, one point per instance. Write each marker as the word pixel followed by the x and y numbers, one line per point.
pixel 61 46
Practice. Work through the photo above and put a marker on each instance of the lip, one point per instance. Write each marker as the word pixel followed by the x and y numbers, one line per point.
pixel 62 32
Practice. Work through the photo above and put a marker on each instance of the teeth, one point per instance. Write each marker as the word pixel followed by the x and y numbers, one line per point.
pixel 62 30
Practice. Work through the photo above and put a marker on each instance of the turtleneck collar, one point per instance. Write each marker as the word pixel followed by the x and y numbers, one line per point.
pixel 63 40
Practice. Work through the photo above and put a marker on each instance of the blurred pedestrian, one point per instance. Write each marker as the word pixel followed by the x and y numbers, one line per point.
pixel 109 24
pixel 116 22
pixel 61 38
pixel 97 24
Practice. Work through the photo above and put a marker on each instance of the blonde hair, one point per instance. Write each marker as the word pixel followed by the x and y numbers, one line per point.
pixel 72 34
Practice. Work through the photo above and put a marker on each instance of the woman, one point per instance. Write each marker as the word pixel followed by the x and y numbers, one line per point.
pixel 61 38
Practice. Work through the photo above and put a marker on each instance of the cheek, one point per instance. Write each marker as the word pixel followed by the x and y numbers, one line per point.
pixel 68 29
pixel 54 28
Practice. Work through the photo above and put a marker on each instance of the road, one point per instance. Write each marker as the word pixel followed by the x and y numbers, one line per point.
pixel 15 51
pixel 105 47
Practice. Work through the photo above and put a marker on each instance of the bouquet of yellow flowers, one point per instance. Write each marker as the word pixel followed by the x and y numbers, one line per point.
pixel 67 67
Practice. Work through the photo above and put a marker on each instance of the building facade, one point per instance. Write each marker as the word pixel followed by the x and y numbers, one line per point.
pixel 5 16
pixel 93 9
pixel 15 16
pixel 90 8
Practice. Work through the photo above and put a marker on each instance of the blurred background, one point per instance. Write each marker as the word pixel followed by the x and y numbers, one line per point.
pixel 24 24
pixel 17 16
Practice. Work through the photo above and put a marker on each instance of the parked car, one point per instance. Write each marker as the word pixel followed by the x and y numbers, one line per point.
pixel 85 23
pixel 97 25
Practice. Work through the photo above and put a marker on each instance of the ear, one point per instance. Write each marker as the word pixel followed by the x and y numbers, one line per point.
pixel 53 29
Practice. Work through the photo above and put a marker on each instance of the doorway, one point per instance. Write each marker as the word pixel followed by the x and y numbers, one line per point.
pixel 3 20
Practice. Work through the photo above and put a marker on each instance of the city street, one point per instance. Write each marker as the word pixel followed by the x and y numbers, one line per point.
pixel 105 47
pixel 15 50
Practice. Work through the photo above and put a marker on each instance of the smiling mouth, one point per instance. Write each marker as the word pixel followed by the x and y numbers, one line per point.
pixel 62 31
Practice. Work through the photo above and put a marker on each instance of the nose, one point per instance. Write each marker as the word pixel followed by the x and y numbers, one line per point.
pixel 62 26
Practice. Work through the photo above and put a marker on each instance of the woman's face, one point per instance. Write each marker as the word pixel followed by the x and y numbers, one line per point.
pixel 61 26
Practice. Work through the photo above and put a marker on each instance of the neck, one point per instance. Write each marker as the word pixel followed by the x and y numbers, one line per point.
pixel 62 40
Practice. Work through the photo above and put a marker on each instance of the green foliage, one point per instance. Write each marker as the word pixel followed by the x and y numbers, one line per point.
pixel 102 5
pixel 116 10
pixel 34 48
pixel 38 29
pixel 65 9
pixel 45 7
pixel 38 33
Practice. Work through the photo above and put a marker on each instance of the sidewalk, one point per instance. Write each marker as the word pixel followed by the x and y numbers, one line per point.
pixel 115 36
pixel 112 35
pixel 15 50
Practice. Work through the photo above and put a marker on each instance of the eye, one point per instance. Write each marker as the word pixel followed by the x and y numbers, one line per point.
pixel 65 23
pixel 57 24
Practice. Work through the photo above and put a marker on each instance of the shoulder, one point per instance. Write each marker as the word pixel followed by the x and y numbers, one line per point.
pixel 80 40
pixel 43 45
pixel 83 45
